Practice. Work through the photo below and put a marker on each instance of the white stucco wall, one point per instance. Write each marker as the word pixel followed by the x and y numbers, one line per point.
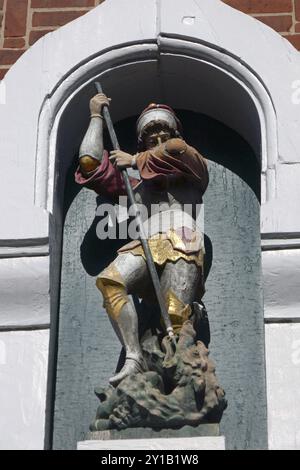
pixel 281 269
pixel 23 376
pixel 24 291
pixel 283 379
pixel 34 92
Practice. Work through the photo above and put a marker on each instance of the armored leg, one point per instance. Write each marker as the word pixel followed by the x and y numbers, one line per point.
pixel 182 284
pixel 127 274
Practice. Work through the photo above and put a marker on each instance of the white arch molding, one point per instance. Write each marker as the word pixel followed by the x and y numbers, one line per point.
pixel 207 47
pixel 142 54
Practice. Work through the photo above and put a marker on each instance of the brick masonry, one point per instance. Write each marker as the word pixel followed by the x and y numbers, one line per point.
pixel 23 22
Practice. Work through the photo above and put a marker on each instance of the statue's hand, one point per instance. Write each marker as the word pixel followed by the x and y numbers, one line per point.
pixel 97 103
pixel 176 146
pixel 121 159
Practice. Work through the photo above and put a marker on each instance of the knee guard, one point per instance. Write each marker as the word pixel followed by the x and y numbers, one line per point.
pixel 178 311
pixel 113 289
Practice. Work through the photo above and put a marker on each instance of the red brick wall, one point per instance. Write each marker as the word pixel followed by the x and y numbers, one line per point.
pixel 281 15
pixel 22 22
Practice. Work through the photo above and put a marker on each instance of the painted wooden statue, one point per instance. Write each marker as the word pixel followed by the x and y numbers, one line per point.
pixel 162 383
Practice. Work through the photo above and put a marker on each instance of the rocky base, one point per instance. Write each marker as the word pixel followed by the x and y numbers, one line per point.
pixel 180 389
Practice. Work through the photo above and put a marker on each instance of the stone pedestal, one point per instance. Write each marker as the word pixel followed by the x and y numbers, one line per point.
pixel 203 437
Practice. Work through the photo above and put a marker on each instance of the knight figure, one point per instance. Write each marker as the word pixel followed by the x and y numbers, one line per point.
pixel 172 175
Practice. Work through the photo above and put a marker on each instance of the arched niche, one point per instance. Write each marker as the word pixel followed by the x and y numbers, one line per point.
pixel 187 76
pixel 82 338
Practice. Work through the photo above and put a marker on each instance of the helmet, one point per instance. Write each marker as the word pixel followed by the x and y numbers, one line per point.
pixel 160 113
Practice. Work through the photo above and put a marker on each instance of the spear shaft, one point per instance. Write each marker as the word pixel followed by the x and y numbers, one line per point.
pixel 139 223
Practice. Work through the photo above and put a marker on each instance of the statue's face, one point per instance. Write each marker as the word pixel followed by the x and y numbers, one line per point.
pixel 156 138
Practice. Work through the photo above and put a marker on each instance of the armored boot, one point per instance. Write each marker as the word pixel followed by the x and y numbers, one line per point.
pixel 123 317
pixel 126 327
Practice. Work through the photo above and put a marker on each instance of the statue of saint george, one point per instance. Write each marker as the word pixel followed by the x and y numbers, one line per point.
pixel 162 383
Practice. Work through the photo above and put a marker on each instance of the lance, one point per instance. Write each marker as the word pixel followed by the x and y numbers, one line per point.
pixel 139 223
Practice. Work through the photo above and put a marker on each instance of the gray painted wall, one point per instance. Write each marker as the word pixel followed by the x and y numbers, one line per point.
pixel 87 348
pixel 235 307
